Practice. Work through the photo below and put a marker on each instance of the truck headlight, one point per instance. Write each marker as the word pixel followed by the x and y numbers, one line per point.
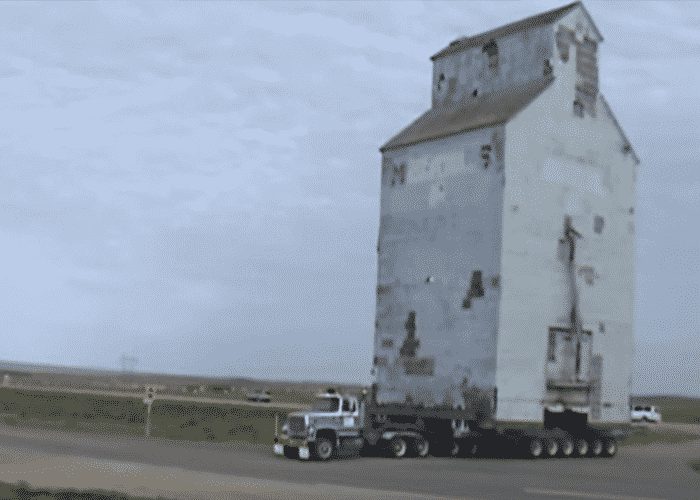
pixel 285 429
pixel 311 430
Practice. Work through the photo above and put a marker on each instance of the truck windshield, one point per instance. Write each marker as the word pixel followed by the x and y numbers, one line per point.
pixel 326 404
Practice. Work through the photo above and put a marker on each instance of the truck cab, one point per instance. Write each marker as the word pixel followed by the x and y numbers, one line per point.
pixel 333 423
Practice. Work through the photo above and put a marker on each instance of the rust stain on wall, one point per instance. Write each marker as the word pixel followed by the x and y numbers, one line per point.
pixel 411 364
pixel 410 343
pixel 476 289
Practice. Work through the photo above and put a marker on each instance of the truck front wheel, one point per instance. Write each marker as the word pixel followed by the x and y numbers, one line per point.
pixel 398 447
pixel 323 449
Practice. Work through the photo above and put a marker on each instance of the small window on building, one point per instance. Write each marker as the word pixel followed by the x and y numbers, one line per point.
pixel 548 69
pixel 441 81
pixel 398 174
pixel 578 108
pixel 491 51
pixel 380 361
pixel 565 38
pixel 598 223
pixel 486 155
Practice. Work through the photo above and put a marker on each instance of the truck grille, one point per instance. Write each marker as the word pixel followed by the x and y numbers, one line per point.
pixel 296 426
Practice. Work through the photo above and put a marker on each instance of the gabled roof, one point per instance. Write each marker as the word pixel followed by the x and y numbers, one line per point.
pixel 483 111
pixel 530 22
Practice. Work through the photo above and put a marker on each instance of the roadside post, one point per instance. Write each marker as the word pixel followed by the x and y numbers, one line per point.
pixel 278 447
pixel 148 401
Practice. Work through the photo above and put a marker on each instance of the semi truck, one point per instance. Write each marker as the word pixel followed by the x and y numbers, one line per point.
pixel 346 424
pixel 505 276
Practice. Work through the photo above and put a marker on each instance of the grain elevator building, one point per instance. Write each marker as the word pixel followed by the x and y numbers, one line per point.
pixel 506 240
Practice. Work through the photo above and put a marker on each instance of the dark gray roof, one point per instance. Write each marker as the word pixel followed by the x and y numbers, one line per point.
pixel 538 20
pixel 483 111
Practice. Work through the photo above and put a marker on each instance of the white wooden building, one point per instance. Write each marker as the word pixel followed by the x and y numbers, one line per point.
pixel 506 241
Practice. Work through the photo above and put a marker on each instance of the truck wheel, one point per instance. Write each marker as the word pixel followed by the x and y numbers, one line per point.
pixel 551 447
pixel 535 448
pixel 323 449
pixel 566 447
pixel 581 447
pixel 610 447
pixel 596 447
pixel 421 447
pixel 398 447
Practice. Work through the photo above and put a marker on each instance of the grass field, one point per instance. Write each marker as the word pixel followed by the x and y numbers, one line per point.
pixel 23 491
pixel 645 435
pixel 220 423
pixel 173 420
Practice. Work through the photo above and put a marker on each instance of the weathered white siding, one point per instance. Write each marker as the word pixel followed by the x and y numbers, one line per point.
pixel 440 222
pixel 561 164
pixel 521 59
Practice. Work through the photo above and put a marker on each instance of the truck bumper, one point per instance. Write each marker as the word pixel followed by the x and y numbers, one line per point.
pixel 292 447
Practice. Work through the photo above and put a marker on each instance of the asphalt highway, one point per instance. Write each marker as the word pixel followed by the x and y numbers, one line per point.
pixel 206 470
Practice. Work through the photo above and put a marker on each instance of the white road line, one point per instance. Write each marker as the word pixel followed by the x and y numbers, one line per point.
pixel 583 494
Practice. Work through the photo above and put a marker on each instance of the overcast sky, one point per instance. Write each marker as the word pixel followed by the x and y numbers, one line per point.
pixel 198 184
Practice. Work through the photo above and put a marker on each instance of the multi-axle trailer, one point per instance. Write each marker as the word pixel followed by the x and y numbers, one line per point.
pixel 342 424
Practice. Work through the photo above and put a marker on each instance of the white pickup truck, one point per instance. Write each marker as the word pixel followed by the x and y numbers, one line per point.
pixel 645 414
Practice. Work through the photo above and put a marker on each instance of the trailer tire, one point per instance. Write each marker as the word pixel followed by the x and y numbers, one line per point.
pixel 596 447
pixel 609 447
pixel 566 447
pixel 535 448
pixel 551 447
pixel 581 447
pixel 398 447
pixel 421 447
pixel 323 449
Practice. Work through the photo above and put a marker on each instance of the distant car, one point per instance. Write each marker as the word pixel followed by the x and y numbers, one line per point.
pixel 645 414
pixel 259 396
